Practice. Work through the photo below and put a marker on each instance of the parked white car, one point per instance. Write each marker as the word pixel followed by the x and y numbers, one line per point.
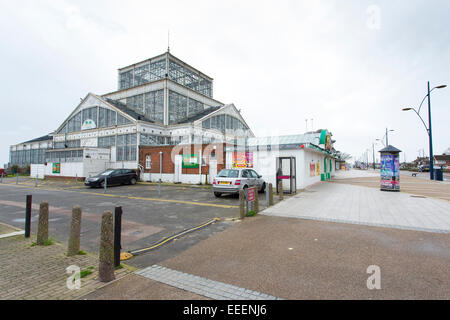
pixel 233 180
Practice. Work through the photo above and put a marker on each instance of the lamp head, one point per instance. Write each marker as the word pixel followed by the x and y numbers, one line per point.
pixel 406 109
pixel 441 86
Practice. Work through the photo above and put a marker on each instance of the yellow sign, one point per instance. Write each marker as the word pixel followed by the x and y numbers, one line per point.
pixel 318 169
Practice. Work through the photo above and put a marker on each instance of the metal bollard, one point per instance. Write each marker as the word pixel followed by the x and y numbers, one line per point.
pixel 117 235
pixel 266 192
pixel 76 178
pixel 17 178
pixel 280 189
pixel 106 183
pixel 241 204
pixel 159 188
pixel 256 204
pixel 28 216
pixel 36 181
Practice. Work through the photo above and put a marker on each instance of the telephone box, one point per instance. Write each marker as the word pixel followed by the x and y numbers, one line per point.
pixel 390 169
pixel 286 174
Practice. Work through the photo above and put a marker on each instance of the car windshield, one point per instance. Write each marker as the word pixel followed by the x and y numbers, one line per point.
pixel 106 173
pixel 228 173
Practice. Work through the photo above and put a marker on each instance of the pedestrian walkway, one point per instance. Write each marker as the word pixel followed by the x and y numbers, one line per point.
pixel 202 286
pixel 369 206
pixel 33 272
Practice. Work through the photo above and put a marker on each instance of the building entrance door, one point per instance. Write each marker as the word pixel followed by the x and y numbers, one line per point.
pixel 286 173
pixel 177 169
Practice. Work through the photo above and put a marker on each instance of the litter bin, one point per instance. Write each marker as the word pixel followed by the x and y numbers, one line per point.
pixel 438 175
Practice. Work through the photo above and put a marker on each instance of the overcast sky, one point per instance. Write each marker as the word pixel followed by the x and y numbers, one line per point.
pixel 349 65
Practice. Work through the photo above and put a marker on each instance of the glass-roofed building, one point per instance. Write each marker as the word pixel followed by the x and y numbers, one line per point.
pixel 161 101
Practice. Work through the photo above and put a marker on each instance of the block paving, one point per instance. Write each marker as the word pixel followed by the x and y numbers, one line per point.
pixel 202 286
pixel 39 272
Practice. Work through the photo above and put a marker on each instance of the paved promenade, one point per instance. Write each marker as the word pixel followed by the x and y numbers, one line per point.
pixel 297 249
pixel 364 205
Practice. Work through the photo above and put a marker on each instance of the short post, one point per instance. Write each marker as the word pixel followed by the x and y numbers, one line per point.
pixel 266 192
pixel 117 235
pixel 106 255
pixel 160 173
pixel 106 183
pixel 246 201
pixel 280 189
pixel 42 234
pixel 17 178
pixel 256 205
pixel 36 181
pixel 73 247
pixel 270 194
pixel 28 216
pixel 159 187
pixel 241 204
pixel 76 178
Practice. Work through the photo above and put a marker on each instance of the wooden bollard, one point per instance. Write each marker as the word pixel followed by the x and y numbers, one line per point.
pixel 256 205
pixel 106 255
pixel 270 194
pixel 42 234
pixel 73 247
pixel 241 204
pixel 280 189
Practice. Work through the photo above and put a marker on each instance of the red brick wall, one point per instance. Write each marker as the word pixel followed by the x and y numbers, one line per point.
pixel 169 154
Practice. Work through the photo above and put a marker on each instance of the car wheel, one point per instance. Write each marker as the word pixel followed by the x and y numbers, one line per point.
pixel 217 194
pixel 133 181
pixel 263 187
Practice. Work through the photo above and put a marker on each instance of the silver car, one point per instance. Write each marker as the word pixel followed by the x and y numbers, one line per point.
pixel 233 180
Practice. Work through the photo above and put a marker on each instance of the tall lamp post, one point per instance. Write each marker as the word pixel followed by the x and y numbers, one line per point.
pixel 387 136
pixel 430 135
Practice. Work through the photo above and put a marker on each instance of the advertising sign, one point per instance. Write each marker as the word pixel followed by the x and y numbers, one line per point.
pixel 312 169
pixel 190 161
pixel 56 167
pixel 390 173
pixel 242 160
pixel 318 169
pixel 250 194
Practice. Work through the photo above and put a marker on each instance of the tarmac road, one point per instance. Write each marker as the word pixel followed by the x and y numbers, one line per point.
pixel 146 217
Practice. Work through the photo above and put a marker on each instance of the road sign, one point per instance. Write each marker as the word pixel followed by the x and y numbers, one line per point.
pixel 250 194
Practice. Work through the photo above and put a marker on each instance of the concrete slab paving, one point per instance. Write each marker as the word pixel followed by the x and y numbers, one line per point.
pixel 363 205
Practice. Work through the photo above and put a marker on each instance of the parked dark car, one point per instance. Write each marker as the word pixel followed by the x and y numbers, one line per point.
pixel 424 168
pixel 113 177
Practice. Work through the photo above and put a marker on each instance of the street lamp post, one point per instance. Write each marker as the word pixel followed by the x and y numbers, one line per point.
pixel 387 136
pixel 430 134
